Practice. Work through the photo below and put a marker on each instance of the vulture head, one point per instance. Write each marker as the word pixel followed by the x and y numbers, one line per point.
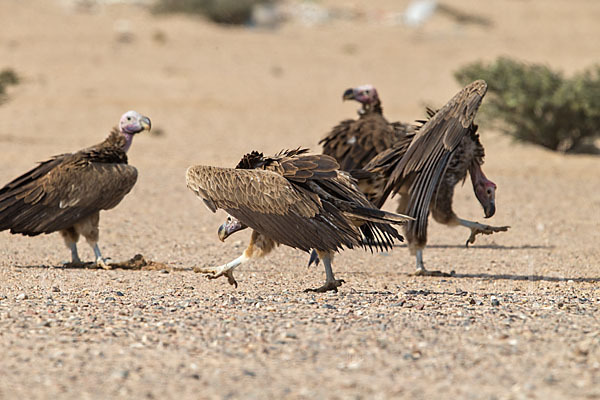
pixel 133 122
pixel 485 190
pixel 365 95
pixel 229 227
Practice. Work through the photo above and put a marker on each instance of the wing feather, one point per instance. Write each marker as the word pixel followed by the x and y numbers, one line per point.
pixel 61 191
pixel 431 149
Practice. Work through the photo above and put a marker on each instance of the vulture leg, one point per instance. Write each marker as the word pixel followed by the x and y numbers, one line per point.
pixel 421 271
pixel 88 228
pixel 71 237
pixel 330 282
pixel 224 270
pixel 477 228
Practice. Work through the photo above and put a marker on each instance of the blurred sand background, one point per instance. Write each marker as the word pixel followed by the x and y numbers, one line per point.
pixel 214 93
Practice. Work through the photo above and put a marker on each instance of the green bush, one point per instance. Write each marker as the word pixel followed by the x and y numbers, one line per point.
pixel 7 77
pixel 220 11
pixel 535 104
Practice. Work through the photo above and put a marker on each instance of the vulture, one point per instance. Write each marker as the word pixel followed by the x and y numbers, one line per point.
pixel 66 192
pixel 293 198
pixel 425 169
pixel 353 143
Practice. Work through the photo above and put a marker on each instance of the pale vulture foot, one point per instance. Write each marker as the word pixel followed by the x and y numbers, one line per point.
pixel 477 228
pixel 421 271
pixel 100 261
pixel 329 285
pixel 104 263
pixel 330 282
pixel 223 270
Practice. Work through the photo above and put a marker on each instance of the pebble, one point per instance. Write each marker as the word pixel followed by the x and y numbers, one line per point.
pixel 22 296
pixel 119 293
pixel 328 306
pixel 495 301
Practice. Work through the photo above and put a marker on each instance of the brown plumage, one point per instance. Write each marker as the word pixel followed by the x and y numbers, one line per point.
pixel 293 198
pixel 425 170
pixel 67 192
pixel 353 143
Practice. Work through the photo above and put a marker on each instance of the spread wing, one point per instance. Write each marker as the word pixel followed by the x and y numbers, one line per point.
pixel 427 156
pixel 272 205
pixel 354 143
pixel 60 192
pixel 298 200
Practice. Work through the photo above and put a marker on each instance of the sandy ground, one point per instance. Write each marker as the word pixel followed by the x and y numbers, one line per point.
pixel 519 319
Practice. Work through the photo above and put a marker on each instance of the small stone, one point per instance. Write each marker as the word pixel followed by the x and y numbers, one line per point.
pixel 55 289
pixel 471 301
pixel 328 306
pixel 110 298
pixel 495 301
pixel 119 293
pixel 22 296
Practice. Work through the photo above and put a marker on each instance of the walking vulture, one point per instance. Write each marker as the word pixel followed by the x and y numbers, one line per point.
pixel 296 199
pixel 425 170
pixel 67 192
pixel 353 143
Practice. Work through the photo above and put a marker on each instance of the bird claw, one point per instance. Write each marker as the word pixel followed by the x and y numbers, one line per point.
pixel 104 263
pixel 329 285
pixel 217 272
pixel 484 230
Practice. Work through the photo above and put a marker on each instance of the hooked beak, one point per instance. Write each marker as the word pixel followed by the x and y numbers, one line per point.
pixel 145 123
pixel 229 227
pixel 490 210
pixel 348 94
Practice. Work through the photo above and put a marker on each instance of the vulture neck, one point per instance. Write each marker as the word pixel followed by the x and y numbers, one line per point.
pixel 119 139
pixel 372 108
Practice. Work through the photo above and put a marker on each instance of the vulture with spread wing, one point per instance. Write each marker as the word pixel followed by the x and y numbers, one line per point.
pixel 67 192
pixel 353 143
pixel 296 199
pixel 425 171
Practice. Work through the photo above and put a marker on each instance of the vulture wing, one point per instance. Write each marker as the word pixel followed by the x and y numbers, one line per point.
pixel 61 191
pixel 431 149
pixel 297 200
pixel 355 143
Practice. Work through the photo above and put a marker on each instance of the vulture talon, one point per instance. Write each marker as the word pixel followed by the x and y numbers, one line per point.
pixel 329 285
pixel 104 263
pixel 480 229
pixel 217 272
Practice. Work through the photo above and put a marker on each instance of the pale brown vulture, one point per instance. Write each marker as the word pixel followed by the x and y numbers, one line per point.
pixel 67 192
pixel 425 170
pixel 296 199
pixel 353 143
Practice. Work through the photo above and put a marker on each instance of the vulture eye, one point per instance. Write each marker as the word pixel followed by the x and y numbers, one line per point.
pixel 128 118
pixel 228 219
pixel 489 191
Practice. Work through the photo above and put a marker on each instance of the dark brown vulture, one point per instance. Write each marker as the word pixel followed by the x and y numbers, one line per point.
pixel 353 143
pixel 67 192
pixel 295 199
pixel 425 171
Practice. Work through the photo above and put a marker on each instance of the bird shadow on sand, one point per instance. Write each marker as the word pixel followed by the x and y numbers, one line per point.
pixel 529 278
pixel 136 263
pixel 485 246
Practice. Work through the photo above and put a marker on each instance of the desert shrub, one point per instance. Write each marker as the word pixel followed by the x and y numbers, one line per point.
pixel 7 77
pixel 535 104
pixel 221 11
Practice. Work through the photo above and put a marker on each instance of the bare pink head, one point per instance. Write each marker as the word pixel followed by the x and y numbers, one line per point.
pixel 131 123
pixel 365 95
pixel 485 190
